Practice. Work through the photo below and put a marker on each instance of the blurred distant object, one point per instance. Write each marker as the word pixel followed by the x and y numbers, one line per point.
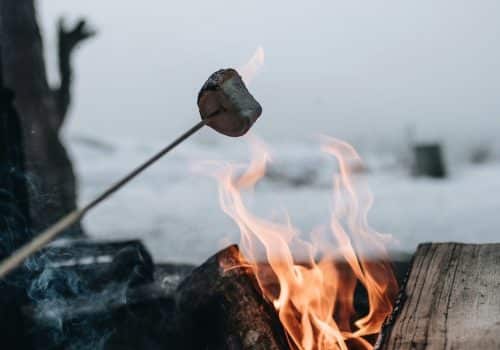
pixel 295 176
pixel 480 154
pixel 308 171
pixel 42 109
pixel 94 143
pixel 68 40
pixel 428 160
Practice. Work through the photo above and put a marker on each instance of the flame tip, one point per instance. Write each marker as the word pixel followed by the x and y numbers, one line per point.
pixel 250 69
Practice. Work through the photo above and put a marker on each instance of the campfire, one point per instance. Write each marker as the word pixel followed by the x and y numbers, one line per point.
pixel 311 280
pixel 312 285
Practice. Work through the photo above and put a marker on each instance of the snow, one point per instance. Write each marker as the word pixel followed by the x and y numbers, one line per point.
pixel 175 211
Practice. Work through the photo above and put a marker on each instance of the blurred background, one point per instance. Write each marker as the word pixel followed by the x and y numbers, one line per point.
pixel 412 86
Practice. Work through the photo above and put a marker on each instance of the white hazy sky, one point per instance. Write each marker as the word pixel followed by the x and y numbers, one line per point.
pixel 353 69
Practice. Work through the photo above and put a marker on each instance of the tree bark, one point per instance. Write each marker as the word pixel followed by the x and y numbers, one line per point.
pixel 42 110
pixel 14 207
pixel 14 202
pixel 450 300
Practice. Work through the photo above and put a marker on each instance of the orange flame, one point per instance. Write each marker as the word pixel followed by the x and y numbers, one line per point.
pixel 252 67
pixel 314 295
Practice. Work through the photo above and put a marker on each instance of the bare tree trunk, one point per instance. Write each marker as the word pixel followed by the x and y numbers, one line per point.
pixel 14 218
pixel 42 110
pixel 14 202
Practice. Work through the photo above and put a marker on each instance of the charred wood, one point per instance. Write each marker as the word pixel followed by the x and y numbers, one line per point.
pixel 142 317
pixel 105 295
pixel 120 316
pixel 221 307
pixel 82 267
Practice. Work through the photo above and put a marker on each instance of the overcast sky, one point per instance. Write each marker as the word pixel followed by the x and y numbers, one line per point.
pixel 354 69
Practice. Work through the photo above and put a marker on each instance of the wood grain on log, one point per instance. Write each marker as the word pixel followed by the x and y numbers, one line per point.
pixel 223 308
pixel 451 300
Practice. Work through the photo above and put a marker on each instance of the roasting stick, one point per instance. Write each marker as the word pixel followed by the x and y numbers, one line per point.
pixel 60 226
pixel 225 105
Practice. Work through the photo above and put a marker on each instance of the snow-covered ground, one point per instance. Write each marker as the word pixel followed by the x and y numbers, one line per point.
pixel 175 210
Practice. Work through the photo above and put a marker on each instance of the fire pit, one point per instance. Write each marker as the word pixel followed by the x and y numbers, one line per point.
pixel 332 290
pixel 220 301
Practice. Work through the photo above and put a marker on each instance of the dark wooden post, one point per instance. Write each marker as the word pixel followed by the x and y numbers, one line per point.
pixel 429 160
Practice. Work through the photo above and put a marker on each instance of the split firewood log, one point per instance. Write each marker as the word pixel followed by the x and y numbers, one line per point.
pixel 450 300
pixel 220 306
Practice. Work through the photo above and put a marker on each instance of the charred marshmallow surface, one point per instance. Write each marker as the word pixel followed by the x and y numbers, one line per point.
pixel 225 99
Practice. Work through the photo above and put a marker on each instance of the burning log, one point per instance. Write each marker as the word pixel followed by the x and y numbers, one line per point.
pixel 223 305
pixel 450 300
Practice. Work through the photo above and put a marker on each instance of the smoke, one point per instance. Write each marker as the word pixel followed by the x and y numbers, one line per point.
pixel 74 289
pixel 52 292
pixel 63 296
